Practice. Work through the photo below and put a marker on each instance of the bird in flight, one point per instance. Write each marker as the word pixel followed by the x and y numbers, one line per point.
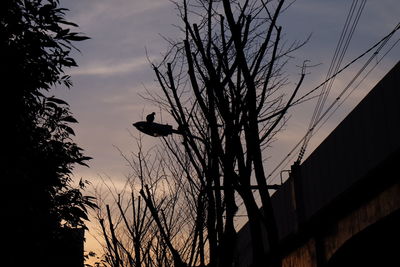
pixel 150 117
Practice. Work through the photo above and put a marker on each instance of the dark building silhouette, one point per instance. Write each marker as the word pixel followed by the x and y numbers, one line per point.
pixel 68 248
pixel 341 206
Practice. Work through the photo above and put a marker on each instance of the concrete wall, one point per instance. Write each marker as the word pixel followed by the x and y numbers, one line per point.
pixel 365 138
pixel 362 142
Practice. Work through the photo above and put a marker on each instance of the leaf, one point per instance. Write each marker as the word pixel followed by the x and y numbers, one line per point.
pixel 75 37
pixel 69 62
pixel 82 159
pixel 68 23
pixel 62 33
pixel 77 212
pixel 44 10
pixel 69 119
pixel 51 105
pixel 68 129
pixel 57 100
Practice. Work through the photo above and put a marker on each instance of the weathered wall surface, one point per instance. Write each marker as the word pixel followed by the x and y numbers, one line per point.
pixel 351 170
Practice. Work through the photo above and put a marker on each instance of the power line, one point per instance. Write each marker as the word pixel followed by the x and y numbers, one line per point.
pixel 340 51
pixel 381 44
pixel 340 104
pixel 348 65
pixel 358 84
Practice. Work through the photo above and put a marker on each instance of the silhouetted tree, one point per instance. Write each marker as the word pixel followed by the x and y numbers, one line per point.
pixel 155 218
pixel 225 84
pixel 38 196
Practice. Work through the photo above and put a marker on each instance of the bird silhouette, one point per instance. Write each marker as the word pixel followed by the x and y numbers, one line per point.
pixel 150 117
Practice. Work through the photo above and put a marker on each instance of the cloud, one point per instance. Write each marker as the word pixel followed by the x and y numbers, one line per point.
pixel 90 12
pixel 112 68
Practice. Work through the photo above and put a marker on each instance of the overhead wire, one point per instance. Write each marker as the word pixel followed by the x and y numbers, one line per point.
pixel 358 84
pixel 307 95
pixel 343 52
pixel 287 160
pixel 365 76
pixel 381 44
pixel 333 62
pixel 340 51
pixel 329 73
pixel 331 77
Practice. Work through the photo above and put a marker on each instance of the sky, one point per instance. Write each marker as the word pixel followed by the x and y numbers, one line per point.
pixel 114 70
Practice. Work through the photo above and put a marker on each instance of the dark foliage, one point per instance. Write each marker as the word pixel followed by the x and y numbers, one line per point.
pixel 39 153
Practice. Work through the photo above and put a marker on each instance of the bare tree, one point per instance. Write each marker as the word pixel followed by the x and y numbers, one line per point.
pixel 153 220
pixel 225 86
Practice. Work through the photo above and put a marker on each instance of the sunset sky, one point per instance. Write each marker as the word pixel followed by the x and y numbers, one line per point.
pixel 114 70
